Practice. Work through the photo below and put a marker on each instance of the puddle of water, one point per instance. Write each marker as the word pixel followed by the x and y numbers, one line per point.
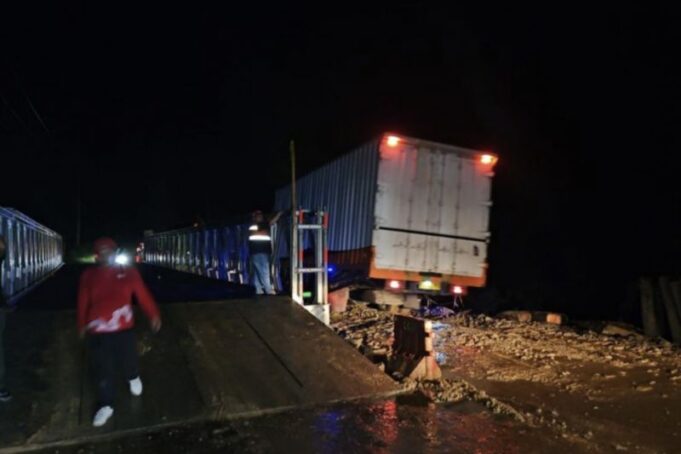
pixel 406 424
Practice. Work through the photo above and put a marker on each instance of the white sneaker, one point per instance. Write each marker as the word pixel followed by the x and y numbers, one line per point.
pixel 102 416
pixel 136 386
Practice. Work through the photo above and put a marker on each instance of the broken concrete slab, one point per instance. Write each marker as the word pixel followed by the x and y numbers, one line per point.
pixel 338 299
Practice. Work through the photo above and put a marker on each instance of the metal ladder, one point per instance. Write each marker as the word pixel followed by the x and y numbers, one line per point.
pixel 316 222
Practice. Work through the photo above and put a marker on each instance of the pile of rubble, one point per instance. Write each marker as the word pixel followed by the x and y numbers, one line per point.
pixel 367 329
pixel 450 390
pixel 371 330
pixel 543 346
pixel 589 362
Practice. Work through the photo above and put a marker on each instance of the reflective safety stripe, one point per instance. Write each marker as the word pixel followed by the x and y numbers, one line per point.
pixel 259 232
pixel 119 318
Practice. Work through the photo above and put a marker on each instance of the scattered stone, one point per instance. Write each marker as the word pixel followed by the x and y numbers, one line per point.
pixel 221 430
pixel 559 356
pixel 447 390
pixel 619 329
pixel 520 316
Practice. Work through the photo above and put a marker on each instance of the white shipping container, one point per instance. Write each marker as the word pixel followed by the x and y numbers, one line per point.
pixel 419 208
pixel 432 209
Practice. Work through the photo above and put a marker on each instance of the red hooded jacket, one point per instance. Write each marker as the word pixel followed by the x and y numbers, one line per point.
pixel 105 299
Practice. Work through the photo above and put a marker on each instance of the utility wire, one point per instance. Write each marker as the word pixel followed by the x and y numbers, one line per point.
pixel 28 99
pixel 37 115
pixel 15 114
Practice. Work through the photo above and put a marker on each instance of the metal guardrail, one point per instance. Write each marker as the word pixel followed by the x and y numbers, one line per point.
pixel 216 252
pixel 33 252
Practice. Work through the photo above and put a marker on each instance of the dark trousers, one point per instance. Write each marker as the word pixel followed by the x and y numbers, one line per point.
pixel 111 354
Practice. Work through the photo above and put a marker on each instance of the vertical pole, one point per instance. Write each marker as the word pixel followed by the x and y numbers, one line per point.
pixel 301 256
pixel 78 217
pixel 651 325
pixel 293 252
pixel 274 263
pixel 293 257
pixel 319 257
pixel 325 249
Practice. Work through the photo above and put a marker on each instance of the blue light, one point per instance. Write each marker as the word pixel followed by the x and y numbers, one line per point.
pixel 330 423
pixel 331 269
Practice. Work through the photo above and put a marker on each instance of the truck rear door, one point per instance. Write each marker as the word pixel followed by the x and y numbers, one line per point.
pixel 432 210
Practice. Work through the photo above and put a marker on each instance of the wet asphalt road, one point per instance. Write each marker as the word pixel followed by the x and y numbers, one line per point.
pixel 401 425
pixel 168 286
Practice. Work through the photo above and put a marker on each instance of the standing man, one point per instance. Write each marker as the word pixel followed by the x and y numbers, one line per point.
pixel 5 396
pixel 260 251
pixel 105 315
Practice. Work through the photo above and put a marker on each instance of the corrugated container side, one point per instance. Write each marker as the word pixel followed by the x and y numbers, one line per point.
pixel 346 188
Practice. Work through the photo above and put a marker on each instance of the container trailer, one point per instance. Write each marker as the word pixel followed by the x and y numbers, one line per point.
pixel 411 214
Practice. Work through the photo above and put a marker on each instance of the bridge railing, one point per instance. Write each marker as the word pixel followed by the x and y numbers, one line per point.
pixel 216 252
pixel 33 252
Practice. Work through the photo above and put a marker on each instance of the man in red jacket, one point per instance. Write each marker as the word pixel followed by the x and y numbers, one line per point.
pixel 105 314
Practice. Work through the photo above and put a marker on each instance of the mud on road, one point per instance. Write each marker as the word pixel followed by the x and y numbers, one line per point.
pixel 613 390
pixel 507 386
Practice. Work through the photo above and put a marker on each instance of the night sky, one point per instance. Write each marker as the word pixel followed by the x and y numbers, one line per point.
pixel 160 117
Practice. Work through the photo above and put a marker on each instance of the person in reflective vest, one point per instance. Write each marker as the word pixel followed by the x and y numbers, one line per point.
pixel 260 251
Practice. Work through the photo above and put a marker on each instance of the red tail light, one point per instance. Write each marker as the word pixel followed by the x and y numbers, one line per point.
pixel 393 141
pixel 488 159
